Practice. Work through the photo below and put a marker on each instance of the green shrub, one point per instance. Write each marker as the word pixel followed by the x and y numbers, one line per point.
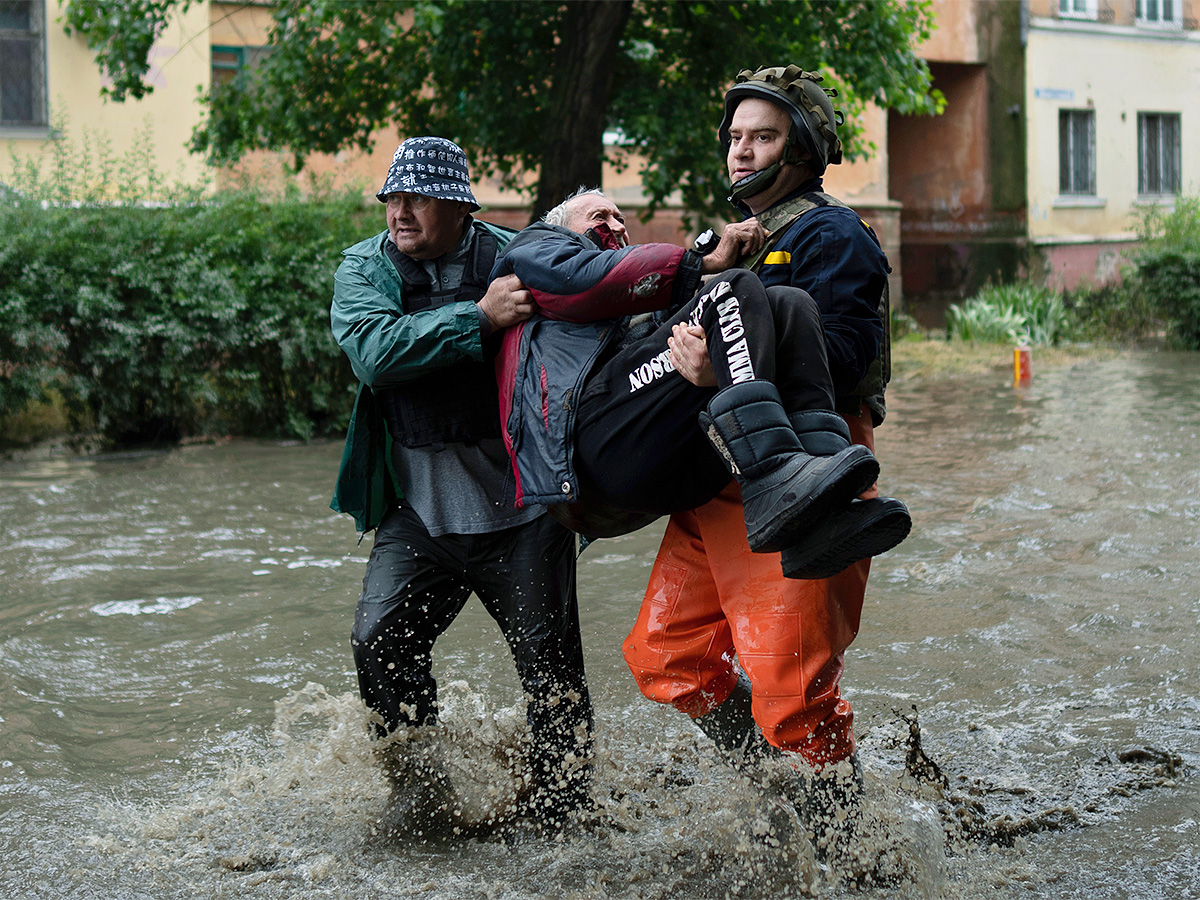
pixel 1168 266
pixel 1012 313
pixel 285 371
pixel 154 323
pixel 148 310
pixel 1114 312
pixel 904 326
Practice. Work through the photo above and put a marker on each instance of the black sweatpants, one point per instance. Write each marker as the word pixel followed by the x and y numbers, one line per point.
pixel 637 440
pixel 415 586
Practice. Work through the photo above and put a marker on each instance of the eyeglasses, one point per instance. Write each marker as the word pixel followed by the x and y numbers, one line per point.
pixel 417 201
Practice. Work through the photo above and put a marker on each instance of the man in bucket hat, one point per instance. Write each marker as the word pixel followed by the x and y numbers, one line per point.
pixel 425 468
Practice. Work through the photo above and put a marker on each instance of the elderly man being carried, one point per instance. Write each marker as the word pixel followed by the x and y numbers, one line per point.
pixel 603 430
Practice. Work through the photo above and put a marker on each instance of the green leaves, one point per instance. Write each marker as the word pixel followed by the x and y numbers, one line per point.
pixel 1168 266
pixel 155 323
pixel 1012 313
pixel 488 74
pixel 121 36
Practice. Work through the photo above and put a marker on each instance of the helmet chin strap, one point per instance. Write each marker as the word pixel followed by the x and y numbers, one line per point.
pixel 759 181
pixel 755 183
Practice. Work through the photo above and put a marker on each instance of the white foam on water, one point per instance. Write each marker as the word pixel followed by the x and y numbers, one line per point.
pixel 297 820
pixel 159 606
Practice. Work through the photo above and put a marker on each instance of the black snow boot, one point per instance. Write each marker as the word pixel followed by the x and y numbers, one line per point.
pixel 785 490
pixel 863 529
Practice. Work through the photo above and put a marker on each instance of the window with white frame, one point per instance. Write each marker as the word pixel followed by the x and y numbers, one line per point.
pixel 1160 13
pixel 1077 152
pixel 1077 9
pixel 22 63
pixel 1158 153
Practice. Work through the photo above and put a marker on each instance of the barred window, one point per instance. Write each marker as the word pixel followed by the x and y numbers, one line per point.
pixel 1077 151
pixel 1166 13
pixel 22 63
pixel 1077 9
pixel 1158 153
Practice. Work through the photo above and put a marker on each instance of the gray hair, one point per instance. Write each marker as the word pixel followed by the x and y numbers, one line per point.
pixel 560 215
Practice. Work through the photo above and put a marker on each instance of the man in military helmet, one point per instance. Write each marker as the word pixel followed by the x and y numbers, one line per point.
pixel 418 316
pixel 603 430
pixel 709 597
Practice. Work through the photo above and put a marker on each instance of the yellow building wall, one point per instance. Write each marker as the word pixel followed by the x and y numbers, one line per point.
pixel 242 24
pixel 864 181
pixel 1118 74
pixel 181 64
pixel 239 24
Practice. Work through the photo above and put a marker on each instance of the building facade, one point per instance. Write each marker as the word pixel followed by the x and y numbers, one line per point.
pixel 1065 120
pixel 49 80
pixel 1112 93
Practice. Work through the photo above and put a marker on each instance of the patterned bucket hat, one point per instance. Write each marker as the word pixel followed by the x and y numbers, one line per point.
pixel 431 166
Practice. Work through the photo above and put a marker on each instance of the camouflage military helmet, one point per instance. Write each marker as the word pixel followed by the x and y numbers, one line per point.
pixel 813 138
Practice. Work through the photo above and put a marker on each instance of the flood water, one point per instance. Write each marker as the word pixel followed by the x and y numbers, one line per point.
pixel 179 719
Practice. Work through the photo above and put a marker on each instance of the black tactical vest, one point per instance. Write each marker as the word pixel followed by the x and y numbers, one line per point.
pixel 870 390
pixel 455 403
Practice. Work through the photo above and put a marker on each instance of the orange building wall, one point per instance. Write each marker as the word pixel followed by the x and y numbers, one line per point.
pixel 938 164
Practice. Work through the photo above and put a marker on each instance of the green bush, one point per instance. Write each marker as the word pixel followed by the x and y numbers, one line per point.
pixel 158 322
pixel 1012 313
pixel 1114 312
pixel 147 310
pixel 1168 267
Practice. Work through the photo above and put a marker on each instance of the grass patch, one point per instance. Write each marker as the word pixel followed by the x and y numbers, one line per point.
pixel 934 357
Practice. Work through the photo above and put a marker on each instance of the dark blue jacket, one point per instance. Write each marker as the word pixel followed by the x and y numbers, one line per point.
pixel 832 254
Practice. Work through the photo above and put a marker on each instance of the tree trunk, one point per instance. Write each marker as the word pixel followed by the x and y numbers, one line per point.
pixel 583 77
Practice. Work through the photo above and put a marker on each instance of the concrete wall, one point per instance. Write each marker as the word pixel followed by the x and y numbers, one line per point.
pixel 939 164
pixel 939 175
pixel 956 37
pixel 959 177
pixel 1066 266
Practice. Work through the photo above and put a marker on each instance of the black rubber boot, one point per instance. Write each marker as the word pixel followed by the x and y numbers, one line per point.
pixel 829 804
pixel 785 490
pixel 422 804
pixel 863 529
pixel 733 729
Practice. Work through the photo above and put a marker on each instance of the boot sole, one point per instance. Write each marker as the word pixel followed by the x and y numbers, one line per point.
pixel 842 540
pixel 855 474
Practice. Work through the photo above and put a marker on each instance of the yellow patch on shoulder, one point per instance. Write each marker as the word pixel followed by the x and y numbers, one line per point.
pixel 777 257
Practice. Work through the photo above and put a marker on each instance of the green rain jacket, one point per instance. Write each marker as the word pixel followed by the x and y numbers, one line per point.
pixel 386 347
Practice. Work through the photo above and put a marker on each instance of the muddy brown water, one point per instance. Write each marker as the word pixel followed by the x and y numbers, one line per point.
pixel 178 715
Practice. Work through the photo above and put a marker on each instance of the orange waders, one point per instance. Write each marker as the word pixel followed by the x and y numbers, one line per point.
pixel 710 597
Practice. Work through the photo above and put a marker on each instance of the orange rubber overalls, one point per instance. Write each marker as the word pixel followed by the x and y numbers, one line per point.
pixel 710 598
